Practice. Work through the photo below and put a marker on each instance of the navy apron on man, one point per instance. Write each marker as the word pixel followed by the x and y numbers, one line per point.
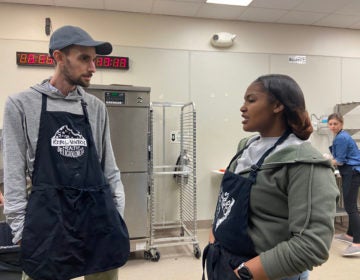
pixel 72 227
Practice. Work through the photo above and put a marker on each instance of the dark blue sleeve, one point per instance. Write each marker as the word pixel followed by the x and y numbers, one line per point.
pixel 339 148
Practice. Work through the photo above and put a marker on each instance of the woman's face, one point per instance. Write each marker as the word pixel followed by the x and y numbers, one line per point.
pixel 259 114
pixel 335 126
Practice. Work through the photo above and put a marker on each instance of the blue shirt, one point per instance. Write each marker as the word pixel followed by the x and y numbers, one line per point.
pixel 345 150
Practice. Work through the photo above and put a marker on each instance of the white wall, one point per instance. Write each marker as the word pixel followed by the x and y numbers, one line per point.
pixel 173 56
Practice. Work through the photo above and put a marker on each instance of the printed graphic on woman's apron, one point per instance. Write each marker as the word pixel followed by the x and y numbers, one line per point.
pixel 225 203
pixel 69 143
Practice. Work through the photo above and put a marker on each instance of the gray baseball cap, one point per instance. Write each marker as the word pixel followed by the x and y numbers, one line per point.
pixel 73 35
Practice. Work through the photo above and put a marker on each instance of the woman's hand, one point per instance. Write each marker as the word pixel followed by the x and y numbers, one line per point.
pixel 211 237
pixel 2 200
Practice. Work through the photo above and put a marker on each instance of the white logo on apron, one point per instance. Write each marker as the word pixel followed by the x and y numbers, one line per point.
pixel 225 204
pixel 69 143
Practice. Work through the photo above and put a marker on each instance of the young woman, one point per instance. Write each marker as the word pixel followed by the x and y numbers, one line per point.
pixel 275 213
pixel 347 158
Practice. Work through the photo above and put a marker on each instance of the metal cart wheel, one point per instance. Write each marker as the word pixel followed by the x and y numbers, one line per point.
pixel 155 255
pixel 152 255
pixel 197 251
pixel 147 255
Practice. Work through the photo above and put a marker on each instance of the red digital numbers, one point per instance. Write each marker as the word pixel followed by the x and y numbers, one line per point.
pixel 112 62
pixel 124 62
pixel 33 59
pixel 99 62
pixel 22 58
pixel 107 61
pixel 116 62
pixel 43 59
pixel 49 60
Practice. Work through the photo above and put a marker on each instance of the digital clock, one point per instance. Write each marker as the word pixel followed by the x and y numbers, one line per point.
pixel 33 59
pixel 43 59
pixel 113 62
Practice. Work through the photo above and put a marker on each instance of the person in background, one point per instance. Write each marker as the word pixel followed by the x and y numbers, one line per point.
pixel 275 213
pixel 346 157
pixel 57 134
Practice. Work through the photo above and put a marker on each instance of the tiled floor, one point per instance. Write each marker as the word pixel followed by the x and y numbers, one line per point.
pixel 179 263
pixel 338 267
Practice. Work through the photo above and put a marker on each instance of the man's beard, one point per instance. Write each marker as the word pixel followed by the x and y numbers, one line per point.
pixel 78 82
pixel 71 80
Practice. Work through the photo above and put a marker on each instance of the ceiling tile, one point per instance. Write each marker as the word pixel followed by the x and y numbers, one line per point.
pixel 89 4
pixel 333 20
pixel 220 12
pixel 31 2
pixel 261 14
pixel 194 1
pixel 178 8
pixel 143 6
pixel 275 4
pixel 322 6
pixel 334 13
pixel 307 18
pixel 352 8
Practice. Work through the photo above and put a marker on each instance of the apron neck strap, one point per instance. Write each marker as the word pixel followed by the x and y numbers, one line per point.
pixel 256 167
pixel 84 105
pixel 43 103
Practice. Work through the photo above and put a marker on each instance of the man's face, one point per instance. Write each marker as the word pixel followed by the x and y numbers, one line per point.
pixel 79 65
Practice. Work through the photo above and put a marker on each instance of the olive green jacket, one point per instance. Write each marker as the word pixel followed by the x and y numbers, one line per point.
pixel 292 210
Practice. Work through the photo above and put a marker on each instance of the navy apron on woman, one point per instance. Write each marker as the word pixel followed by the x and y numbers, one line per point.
pixel 233 244
pixel 72 227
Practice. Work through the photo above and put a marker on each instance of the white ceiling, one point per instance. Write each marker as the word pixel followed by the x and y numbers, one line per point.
pixel 330 13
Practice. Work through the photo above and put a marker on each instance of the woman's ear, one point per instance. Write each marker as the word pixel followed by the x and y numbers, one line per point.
pixel 278 107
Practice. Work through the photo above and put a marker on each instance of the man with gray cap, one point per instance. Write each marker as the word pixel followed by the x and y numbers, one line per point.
pixel 70 223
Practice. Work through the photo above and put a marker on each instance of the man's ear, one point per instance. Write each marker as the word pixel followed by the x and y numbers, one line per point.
pixel 278 107
pixel 58 56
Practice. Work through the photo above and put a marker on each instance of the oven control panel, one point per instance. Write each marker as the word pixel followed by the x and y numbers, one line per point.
pixel 114 97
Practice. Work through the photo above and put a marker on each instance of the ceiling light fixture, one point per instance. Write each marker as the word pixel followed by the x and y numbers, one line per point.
pixel 230 2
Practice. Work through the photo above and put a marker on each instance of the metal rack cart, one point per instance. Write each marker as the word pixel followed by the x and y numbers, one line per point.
pixel 173 135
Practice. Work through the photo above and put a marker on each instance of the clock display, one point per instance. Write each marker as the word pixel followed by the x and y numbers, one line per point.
pixel 33 59
pixel 113 62
pixel 43 59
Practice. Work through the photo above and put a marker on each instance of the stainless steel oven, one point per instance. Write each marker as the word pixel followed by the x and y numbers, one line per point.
pixel 128 108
